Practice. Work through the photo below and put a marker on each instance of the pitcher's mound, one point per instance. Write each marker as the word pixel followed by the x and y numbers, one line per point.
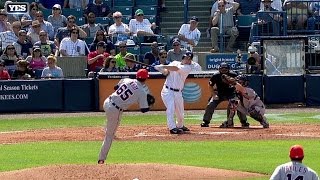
pixel 125 172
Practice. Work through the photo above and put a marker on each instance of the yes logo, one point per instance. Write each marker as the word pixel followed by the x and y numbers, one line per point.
pixel 17 7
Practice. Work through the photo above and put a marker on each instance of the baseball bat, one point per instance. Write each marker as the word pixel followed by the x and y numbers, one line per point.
pixel 138 62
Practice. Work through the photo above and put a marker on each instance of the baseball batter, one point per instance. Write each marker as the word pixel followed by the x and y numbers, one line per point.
pixel 250 103
pixel 294 170
pixel 171 94
pixel 127 92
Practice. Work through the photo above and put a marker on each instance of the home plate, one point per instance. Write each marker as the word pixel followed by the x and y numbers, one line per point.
pixel 218 133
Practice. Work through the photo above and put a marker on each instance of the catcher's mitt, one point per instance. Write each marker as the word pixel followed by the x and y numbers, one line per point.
pixel 228 80
pixel 151 100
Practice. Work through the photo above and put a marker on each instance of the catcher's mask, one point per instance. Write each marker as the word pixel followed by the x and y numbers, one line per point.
pixel 142 74
pixel 243 80
pixel 224 68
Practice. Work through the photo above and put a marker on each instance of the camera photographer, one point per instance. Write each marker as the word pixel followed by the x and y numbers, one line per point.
pixel 254 61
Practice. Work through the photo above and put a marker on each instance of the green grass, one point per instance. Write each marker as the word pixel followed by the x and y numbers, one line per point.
pixel 251 156
pixel 145 119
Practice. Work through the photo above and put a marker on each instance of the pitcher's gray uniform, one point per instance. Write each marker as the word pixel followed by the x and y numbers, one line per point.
pixel 128 92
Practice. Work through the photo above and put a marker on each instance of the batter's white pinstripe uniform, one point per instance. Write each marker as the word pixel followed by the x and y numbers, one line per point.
pixel 130 91
pixel 193 35
pixel 172 96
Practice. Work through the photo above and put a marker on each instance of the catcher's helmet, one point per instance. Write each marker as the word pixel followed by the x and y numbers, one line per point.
pixel 296 152
pixel 243 80
pixel 142 74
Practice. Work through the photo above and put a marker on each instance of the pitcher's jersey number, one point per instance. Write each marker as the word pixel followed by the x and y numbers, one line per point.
pixel 124 92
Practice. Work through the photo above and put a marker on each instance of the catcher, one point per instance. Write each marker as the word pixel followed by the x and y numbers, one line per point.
pixel 249 102
pixel 127 92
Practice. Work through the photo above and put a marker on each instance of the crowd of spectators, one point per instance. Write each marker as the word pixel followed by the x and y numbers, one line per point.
pixel 60 35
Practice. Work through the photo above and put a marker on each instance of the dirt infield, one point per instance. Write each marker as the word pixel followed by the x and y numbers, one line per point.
pixel 146 133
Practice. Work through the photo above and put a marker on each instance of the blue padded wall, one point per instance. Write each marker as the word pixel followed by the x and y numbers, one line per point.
pixel 313 90
pixel 283 89
pixel 255 82
pixel 79 94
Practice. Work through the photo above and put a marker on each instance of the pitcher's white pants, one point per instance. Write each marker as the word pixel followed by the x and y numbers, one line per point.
pixel 174 103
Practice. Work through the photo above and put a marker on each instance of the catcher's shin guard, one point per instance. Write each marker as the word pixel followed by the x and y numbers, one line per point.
pixel 243 120
pixel 260 118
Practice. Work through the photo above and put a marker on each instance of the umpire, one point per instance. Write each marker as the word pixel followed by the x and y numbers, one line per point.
pixel 221 91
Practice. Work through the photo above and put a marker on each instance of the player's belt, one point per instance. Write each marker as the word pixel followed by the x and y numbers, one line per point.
pixel 172 89
pixel 116 106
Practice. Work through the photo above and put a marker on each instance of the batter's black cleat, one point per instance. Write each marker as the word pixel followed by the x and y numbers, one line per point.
pixel 176 131
pixel 101 162
pixel 184 128
pixel 204 124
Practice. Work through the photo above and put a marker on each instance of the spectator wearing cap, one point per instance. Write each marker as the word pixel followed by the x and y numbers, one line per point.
pixel 140 26
pixel 253 68
pixel 65 31
pixel 176 53
pixel 52 70
pixel 118 27
pixel 72 4
pixel 99 8
pixel 23 71
pixel 189 34
pixel 92 27
pixel 37 60
pixel 123 51
pixel 9 37
pixel 72 46
pixel 23 46
pixel 4 24
pixel 33 33
pixel 131 66
pixel 97 57
pixel 57 19
pixel 153 55
pixel 295 168
pixel 27 18
pixel 223 18
pixel 47 47
pixel 48 4
pixel 4 75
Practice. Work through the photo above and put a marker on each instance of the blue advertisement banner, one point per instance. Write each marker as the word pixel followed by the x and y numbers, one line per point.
pixel 213 61
pixel 35 95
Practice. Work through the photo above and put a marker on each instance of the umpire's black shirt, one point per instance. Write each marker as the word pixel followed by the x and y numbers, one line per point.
pixel 224 89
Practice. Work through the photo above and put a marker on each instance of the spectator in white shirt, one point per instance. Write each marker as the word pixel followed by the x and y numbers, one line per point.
pixel 189 34
pixel 118 27
pixel 72 46
pixel 9 37
pixel 140 26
